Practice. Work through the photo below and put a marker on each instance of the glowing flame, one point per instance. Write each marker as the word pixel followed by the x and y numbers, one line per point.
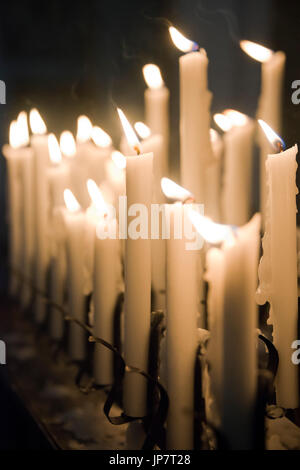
pixel 14 140
pixel 214 135
pixel 67 144
pixel 209 230
pixel 37 123
pixel 143 131
pixel 129 132
pixel 23 128
pixel 100 137
pixel 54 149
pixel 175 192
pixel 84 129
pixel 236 118
pixel 71 202
pixel 223 122
pixel 256 51
pixel 119 159
pixel 152 76
pixel 276 141
pixel 181 42
pixel 96 197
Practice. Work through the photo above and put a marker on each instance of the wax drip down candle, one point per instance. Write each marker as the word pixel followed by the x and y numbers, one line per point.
pixel 278 266
pixel 137 276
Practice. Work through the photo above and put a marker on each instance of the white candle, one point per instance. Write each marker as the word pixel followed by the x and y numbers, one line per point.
pixel 137 278
pixel 74 220
pixel 58 180
pixel 270 100
pixel 39 143
pixel 232 275
pixel 195 99
pixel 213 178
pixel 19 170
pixel 106 283
pixel 278 268
pixel 116 175
pixel 238 157
pixel 182 311
pixel 80 169
pixel 157 110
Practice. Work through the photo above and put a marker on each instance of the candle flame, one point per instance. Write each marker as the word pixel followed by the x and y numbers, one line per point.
pixel 211 232
pixel 276 141
pixel 67 144
pixel 84 129
pixel 70 200
pixel 181 42
pixel 152 76
pixel 100 137
pixel 129 132
pixel 96 197
pixel 175 192
pixel 236 118
pixel 23 129
pixel 37 123
pixel 54 149
pixel 143 131
pixel 14 140
pixel 223 122
pixel 119 159
pixel 256 51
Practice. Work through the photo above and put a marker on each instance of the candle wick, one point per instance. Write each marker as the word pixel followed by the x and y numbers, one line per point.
pixel 136 148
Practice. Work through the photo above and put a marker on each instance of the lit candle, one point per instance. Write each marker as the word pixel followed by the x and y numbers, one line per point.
pixel 181 316
pixel 157 111
pixel 106 283
pixel 19 174
pixel 74 219
pixel 238 142
pixel 98 158
pixel 39 143
pixel 80 171
pixel 213 176
pixel 137 277
pixel 195 99
pixel 233 318
pixel 58 179
pixel 270 100
pixel 278 266
pixel 116 174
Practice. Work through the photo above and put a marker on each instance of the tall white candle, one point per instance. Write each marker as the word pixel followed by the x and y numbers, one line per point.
pixel 157 110
pixel 270 100
pixel 182 303
pixel 39 143
pixel 106 283
pixel 195 99
pixel 278 268
pixel 232 279
pixel 213 178
pixel 238 157
pixel 74 220
pixel 137 277
pixel 18 160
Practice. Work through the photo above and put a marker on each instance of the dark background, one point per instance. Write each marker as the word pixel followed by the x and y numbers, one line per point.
pixel 69 58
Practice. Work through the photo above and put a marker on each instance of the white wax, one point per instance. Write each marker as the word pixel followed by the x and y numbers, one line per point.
pixel 157 118
pixel 278 268
pixel 182 303
pixel 74 222
pixel 107 275
pixel 39 144
pixel 233 317
pixel 137 287
pixel 195 145
pixel 237 190
pixel 270 109
pixel 213 182
pixel 58 180
pixel 79 170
